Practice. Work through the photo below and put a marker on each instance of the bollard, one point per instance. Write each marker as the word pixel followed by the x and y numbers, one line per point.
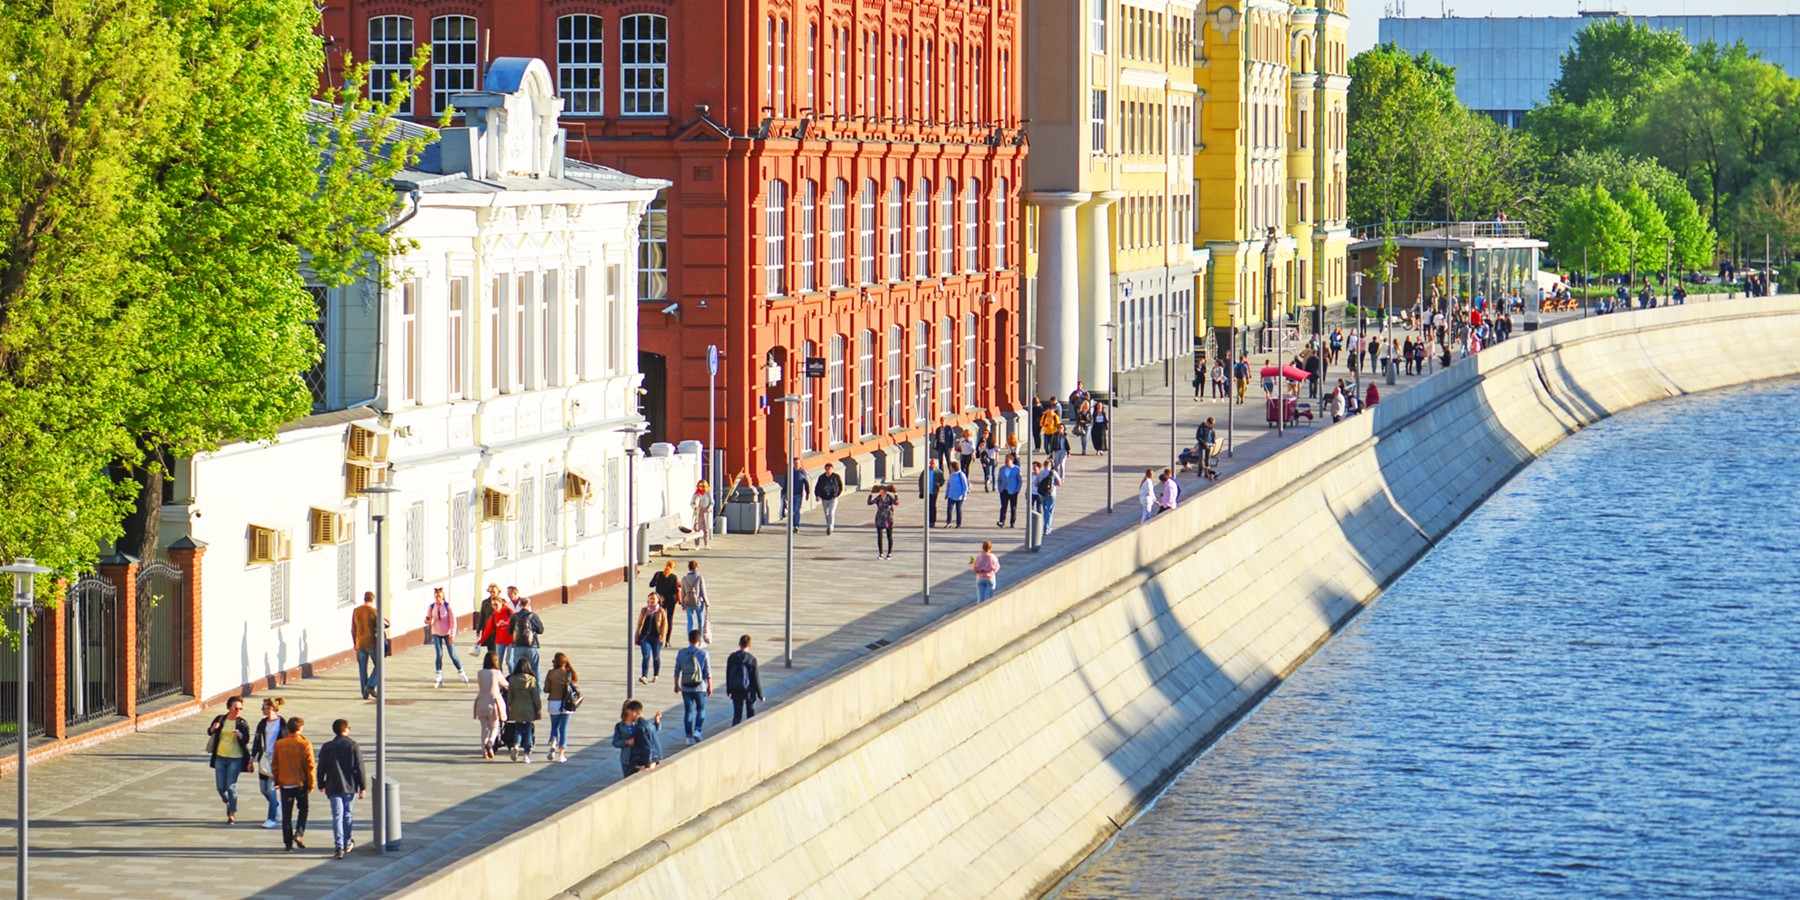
pixel 721 525
pixel 1393 369
pixel 391 810
pixel 1034 529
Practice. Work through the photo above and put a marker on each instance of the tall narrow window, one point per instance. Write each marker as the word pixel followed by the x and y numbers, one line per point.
pixel 869 91
pixel 1097 25
pixel 947 228
pixel 953 78
pixel 1097 124
pixel 521 331
pixel 409 342
pixel 769 66
pixel 840 79
pixel 971 397
pixel 812 67
pixel 865 383
pixel 496 368
pixel 390 57
pixel 806 254
pixel 840 226
pixel 452 59
pixel 781 51
pixel 808 417
pixel 921 361
pixel 977 91
pixel 320 322
pixel 644 65
pixel 550 325
pixel 527 523
pixel 580 64
pixel 971 225
pixel 896 229
pixel 775 239
pixel 578 317
pixel 455 341
pixel 899 84
pixel 834 370
pixel 615 329
pixel 921 267
pixel 928 97
pixel 1005 92
pixel 653 250
pixel 866 248
pixel 946 356
pixel 896 377
pixel 999 261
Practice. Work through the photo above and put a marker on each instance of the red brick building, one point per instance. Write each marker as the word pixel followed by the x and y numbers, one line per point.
pixel 846 181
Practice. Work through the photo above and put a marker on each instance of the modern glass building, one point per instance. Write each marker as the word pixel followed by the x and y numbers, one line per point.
pixel 1506 66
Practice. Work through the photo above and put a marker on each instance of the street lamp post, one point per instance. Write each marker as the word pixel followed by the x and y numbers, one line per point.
pixel 1030 353
pixel 1231 308
pixel 790 405
pixel 631 548
pixel 24 571
pixel 1174 419
pixel 712 421
pixel 1387 328
pixel 1112 401
pixel 929 376
pixel 378 513
pixel 1269 308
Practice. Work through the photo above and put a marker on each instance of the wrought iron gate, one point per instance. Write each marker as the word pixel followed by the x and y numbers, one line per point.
pixel 91 649
pixel 162 622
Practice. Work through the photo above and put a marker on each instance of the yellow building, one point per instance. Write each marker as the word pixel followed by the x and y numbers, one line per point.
pixel 1186 172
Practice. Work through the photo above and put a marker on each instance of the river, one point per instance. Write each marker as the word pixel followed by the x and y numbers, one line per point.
pixel 1591 688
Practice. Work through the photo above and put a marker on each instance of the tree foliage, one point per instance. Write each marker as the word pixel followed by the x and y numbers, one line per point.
pixel 1593 231
pixel 1399 109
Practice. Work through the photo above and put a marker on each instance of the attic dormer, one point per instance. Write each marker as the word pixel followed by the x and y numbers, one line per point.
pixel 512 126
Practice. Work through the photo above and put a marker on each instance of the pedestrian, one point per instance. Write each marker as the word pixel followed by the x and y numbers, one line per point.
pixel 1334 402
pixel 1374 395
pixel 1199 375
pixel 665 588
pixel 497 636
pixel 990 463
pixel 702 504
pixel 365 634
pixel 524 707
pixel 798 490
pixel 262 749
pixel 1045 483
pixel 440 624
pixel 693 597
pixel 1147 495
pixel 640 747
pixel 1171 492
pixel 955 492
pixel 931 481
pixel 1050 425
pixel 1243 378
pixel 1218 380
pixel 986 567
pixel 1083 425
pixel 489 605
pixel 742 683
pixel 1012 480
pixel 527 627
pixel 652 629
pixel 490 702
pixel 343 782
pixel 562 692
pixel 693 681
pixel 1206 438
pixel 884 498
pixel 1059 458
pixel 1037 416
pixel 828 489
pixel 965 451
pixel 227 750
pixel 943 443
pixel 295 775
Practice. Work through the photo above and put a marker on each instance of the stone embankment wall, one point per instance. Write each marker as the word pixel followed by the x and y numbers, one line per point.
pixel 987 755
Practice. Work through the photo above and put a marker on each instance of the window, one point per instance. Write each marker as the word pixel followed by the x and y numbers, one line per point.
pixel 922 229
pixel 521 331
pixel 527 519
pixel 865 383
pixel 971 397
pixel 653 250
pixel 808 238
pixel 1000 204
pixel 840 78
pixel 921 360
pixel 550 328
pixel 462 530
pixel 928 96
pixel 390 57
pixel 781 36
pixel 496 346
pixel 769 70
pixel 896 227
pixel 415 542
pixel 808 422
pixel 840 214
pixel 977 96
pixel 455 341
pixel 612 319
pixel 578 317
pixel 775 239
pixel 868 75
pixel 452 59
pixel 971 226
pixel 1005 87
pixel 1097 124
pixel 898 83
pixel 1097 25
pixel 953 81
pixel 896 376
pixel 812 68
pixel 553 486
pixel 315 376
pixel 866 249
pixel 346 574
pixel 615 494
pixel 946 355
pixel 580 62
pixel 834 369
pixel 644 65
pixel 278 594
pixel 947 228
pixel 409 342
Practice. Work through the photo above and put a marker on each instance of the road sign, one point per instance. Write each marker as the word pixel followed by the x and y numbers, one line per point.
pixel 712 359
pixel 815 367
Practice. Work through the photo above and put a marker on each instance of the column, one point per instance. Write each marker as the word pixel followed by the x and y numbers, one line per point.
pixel 121 569
pixel 1096 288
pixel 1058 292
pixel 187 555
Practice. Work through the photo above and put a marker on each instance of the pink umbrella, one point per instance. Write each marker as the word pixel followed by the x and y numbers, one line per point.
pixel 1291 373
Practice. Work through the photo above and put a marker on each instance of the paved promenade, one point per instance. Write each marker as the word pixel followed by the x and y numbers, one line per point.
pixel 138 816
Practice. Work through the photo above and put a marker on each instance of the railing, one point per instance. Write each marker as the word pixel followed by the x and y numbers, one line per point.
pixel 1438 228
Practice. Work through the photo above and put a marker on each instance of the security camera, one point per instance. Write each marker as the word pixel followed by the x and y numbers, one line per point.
pixel 673 309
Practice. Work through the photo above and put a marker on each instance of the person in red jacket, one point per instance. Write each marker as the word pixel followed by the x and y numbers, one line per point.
pixel 497 633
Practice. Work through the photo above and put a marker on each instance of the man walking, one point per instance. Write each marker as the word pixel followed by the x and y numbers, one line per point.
pixel 342 781
pixel 1170 494
pixel 828 489
pixel 1012 480
pixel 931 481
pixel 797 491
pixel 742 683
pixel 693 681
pixel 1207 436
pixel 294 776
pixel 526 627
pixel 1046 482
pixel 365 632
pixel 955 492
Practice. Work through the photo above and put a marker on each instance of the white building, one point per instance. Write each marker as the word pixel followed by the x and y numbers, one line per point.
pixel 493 383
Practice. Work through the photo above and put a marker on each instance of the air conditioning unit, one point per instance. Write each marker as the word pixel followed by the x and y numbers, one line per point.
pixel 368 443
pixel 578 486
pixel 360 475
pixel 498 505
pixel 269 545
pixel 329 526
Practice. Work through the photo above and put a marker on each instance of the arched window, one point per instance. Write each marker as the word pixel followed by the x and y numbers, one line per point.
pixel 866 248
pixel 644 65
pixel 452 59
pixel 653 250
pixel 840 226
pixel 807 238
pixel 896 376
pixel 947 228
pixel 971 226
pixel 1000 211
pixel 390 57
pixel 775 239
pixel 946 355
pixel 834 370
pixel 865 383
pixel 922 229
pixel 580 64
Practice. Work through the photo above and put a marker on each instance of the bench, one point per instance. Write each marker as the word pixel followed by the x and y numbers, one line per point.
pixel 665 534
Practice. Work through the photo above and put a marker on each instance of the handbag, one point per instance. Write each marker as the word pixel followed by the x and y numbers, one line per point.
pixel 571 698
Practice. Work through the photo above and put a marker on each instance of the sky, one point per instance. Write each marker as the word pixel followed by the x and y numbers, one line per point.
pixel 1365 14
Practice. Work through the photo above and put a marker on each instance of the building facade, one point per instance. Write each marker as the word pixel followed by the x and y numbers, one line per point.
pixel 1505 66
pixel 844 181
pixel 1186 160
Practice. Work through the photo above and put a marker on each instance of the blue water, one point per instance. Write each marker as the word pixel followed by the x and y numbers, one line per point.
pixel 1591 688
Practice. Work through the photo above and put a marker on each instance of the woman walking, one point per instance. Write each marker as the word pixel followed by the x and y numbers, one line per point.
pixel 440 624
pixel 490 702
pixel 986 567
pixel 884 499
pixel 559 688
pixel 693 597
pixel 227 749
pixel 640 747
pixel 1147 495
pixel 652 631
pixel 269 729
pixel 666 588
pixel 702 502
pixel 524 707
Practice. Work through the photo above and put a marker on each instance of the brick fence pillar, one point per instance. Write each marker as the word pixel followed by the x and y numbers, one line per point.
pixel 55 623
pixel 187 555
pixel 121 569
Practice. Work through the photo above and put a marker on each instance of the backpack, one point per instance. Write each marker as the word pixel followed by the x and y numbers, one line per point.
pixel 690 671
pixel 639 751
pixel 1046 484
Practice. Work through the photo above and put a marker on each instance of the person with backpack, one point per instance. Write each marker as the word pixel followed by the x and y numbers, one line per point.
pixel 526 629
pixel 640 745
pixel 440 627
pixel 652 625
pixel 1050 426
pixel 524 707
pixel 828 489
pixel 1045 483
pixel 956 490
pixel 742 683
pixel 798 489
pixel 563 692
pixel 343 782
pixel 693 681
pixel 693 597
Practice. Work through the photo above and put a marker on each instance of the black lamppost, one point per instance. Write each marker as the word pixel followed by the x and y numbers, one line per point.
pixel 24 571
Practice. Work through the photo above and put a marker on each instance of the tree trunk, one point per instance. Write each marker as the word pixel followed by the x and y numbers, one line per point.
pixel 150 498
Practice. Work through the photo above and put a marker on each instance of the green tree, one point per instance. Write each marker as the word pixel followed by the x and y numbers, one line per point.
pixel 1576 172
pixel 1620 61
pixel 1650 234
pixel 1772 208
pixel 1484 170
pixel 1399 109
pixel 1594 224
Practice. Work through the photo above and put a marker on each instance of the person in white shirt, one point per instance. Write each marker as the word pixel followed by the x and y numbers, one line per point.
pixel 1171 491
pixel 1148 495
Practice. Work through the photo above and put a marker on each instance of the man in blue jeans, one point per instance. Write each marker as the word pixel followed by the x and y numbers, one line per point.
pixel 365 633
pixel 1043 488
pixel 693 681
